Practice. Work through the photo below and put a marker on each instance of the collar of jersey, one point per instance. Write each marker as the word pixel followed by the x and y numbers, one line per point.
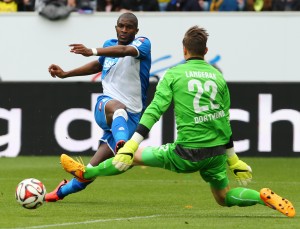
pixel 194 58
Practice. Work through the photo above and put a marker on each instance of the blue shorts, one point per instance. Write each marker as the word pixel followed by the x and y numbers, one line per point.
pixel 100 117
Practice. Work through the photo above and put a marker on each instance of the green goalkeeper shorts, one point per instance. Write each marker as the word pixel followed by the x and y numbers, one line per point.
pixel 212 169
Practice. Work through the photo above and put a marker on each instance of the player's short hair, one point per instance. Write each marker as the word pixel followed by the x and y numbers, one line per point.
pixel 195 40
pixel 129 16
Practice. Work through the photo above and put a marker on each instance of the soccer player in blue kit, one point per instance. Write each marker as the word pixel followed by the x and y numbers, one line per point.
pixel 125 64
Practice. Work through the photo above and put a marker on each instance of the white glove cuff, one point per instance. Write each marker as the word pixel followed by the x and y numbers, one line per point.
pixel 137 137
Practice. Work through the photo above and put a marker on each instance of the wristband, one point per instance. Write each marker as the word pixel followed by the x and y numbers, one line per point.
pixel 232 160
pixel 94 51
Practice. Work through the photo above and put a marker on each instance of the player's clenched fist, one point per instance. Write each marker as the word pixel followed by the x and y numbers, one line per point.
pixel 56 71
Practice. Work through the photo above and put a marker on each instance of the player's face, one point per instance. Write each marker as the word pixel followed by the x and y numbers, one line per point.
pixel 126 31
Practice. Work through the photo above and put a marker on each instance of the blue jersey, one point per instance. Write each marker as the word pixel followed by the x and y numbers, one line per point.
pixel 126 79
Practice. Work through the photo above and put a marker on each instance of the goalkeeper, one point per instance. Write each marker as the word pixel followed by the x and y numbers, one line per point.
pixel 204 143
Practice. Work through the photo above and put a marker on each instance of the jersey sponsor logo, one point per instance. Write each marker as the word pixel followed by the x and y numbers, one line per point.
pixel 107 65
pixel 209 117
pixel 109 62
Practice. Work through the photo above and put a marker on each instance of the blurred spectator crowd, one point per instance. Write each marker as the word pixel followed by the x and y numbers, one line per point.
pixel 156 5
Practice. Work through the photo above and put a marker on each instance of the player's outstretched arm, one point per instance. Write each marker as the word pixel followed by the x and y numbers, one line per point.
pixel 112 51
pixel 241 171
pixel 81 49
pixel 92 67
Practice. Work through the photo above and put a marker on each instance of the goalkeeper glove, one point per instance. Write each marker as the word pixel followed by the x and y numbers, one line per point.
pixel 241 171
pixel 124 158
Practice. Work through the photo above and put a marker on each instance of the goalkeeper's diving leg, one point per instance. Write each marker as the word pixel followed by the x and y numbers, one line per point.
pixel 218 180
pixel 244 197
pixel 213 171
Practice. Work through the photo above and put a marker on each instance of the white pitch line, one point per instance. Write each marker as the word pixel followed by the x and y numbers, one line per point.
pixel 88 222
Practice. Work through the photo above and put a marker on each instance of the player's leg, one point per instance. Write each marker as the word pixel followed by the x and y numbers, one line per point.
pixel 244 197
pixel 74 185
pixel 106 168
pixel 216 176
pixel 116 117
pixel 214 172
pixel 164 157
pixel 150 156
pixel 111 116
pixel 240 196
pixel 104 152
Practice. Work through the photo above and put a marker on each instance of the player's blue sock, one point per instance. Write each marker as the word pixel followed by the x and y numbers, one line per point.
pixel 119 125
pixel 71 187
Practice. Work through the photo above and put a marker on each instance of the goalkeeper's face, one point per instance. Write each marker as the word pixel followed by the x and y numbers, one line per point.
pixel 126 30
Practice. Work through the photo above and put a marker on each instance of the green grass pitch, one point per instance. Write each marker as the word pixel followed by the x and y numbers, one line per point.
pixel 146 198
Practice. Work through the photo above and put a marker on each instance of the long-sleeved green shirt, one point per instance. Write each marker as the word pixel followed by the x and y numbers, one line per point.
pixel 201 104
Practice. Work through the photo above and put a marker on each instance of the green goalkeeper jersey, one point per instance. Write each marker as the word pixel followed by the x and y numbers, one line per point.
pixel 201 104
